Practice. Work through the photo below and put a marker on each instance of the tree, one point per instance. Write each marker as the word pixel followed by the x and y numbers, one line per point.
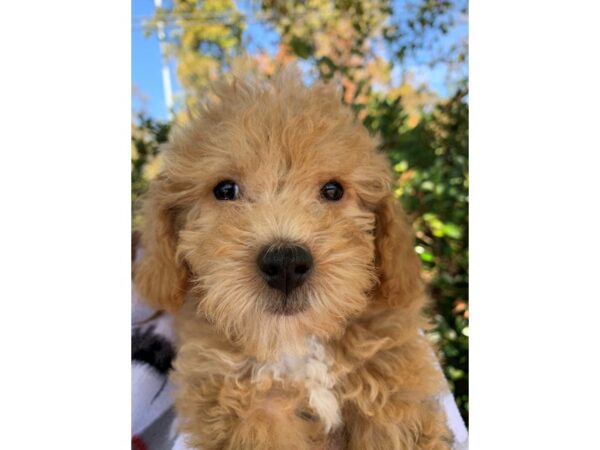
pixel 205 36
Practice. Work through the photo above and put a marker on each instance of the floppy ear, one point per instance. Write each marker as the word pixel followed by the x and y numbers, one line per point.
pixel 159 276
pixel 398 264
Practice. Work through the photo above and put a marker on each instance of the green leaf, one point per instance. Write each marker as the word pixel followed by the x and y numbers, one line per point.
pixel 401 166
pixel 301 47
pixel 452 230
pixel 426 256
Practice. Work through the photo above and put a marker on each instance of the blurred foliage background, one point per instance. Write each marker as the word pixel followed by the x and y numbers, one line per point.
pixel 371 48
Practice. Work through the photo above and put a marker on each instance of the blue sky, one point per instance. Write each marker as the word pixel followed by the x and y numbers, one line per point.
pixel 146 64
pixel 146 60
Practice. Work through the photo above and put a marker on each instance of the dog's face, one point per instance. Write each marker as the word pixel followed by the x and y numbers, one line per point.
pixel 268 212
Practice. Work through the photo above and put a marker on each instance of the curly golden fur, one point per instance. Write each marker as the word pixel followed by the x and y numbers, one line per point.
pixel 350 370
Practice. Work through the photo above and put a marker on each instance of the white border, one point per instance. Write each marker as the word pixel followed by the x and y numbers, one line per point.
pixel 534 241
pixel 65 225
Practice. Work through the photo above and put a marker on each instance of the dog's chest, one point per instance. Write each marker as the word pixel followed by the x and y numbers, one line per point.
pixel 314 370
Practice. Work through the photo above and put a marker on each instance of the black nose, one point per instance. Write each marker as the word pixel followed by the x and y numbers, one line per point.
pixel 285 267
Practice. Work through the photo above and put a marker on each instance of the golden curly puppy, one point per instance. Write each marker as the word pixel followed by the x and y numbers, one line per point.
pixel 273 236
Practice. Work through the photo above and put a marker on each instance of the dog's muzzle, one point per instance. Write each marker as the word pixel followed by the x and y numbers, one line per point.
pixel 285 267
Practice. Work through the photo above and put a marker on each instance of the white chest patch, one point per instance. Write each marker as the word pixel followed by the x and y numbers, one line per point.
pixel 313 369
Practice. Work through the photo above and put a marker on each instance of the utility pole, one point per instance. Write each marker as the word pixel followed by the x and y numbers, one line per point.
pixel 166 74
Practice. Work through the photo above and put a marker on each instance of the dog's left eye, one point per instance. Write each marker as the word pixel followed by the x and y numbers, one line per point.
pixel 227 190
pixel 332 191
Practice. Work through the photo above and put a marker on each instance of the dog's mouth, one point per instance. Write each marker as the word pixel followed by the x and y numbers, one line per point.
pixel 287 304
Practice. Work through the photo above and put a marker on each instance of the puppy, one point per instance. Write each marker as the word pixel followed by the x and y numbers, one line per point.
pixel 273 236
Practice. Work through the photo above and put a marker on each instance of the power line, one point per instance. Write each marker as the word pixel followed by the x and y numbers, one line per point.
pixel 166 74
pixel 177 22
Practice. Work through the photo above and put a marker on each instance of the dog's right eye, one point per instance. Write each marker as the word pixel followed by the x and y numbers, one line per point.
pixel 227 190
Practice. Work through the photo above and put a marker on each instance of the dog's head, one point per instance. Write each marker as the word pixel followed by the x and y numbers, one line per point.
pixel 274 210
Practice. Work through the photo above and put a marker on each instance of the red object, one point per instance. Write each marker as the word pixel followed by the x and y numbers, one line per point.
pixel 137 443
